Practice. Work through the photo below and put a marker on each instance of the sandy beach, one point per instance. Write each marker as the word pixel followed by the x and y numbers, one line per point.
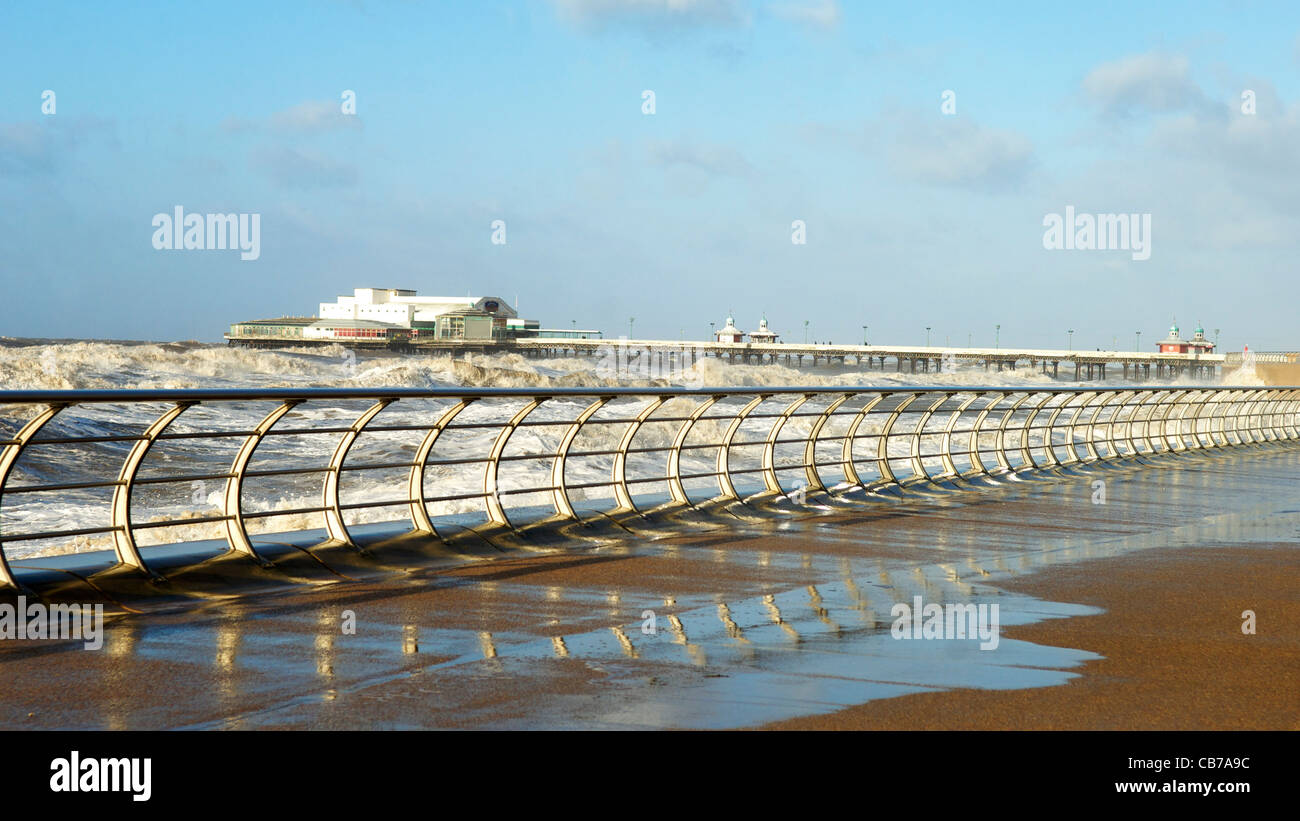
pixel 1175 654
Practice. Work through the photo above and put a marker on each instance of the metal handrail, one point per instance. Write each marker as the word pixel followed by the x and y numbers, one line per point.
pixel 870 438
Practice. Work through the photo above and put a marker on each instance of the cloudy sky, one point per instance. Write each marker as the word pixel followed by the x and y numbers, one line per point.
pixel 533 112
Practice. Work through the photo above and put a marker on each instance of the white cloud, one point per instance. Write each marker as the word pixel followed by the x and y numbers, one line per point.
pixel 45 146
pixel 313 116
pixel 654 13
pixel 308 117
pixel 823 14
pixel 957 152
pixel 291 168
pixel 721 160
pixel 1154 83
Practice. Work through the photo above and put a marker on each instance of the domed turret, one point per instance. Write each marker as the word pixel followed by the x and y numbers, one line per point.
pixel 764 333
pixel 730 333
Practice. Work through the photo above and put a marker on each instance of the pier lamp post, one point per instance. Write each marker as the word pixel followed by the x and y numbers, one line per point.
pixel 1137 345
pixel 713 337
pixel 969 336
pixel 1216 338
pixel 805 332
pixel 1071 333
pixel 927 336
pixel 630 320
pixel 864 334
pixel 997 336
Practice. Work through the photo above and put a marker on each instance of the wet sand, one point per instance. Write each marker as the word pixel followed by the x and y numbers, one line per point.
pixel 1175 657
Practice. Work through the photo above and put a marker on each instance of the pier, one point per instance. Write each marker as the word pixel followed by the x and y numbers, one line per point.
pixel 668 355
pixel 1084 365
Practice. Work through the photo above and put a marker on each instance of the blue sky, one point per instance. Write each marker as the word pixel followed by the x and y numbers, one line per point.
pixel 766 113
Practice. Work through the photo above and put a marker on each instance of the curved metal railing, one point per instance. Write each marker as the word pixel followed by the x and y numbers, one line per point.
pixel 333 457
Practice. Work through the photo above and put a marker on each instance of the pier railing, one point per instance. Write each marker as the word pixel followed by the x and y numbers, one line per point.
pixel 129 468
pixel 1236 358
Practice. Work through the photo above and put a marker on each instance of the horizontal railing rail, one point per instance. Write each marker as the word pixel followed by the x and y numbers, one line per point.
pixel 1265 357
pixel 116 465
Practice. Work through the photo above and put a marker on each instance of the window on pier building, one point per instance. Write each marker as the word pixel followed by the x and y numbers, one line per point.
pixel 451 327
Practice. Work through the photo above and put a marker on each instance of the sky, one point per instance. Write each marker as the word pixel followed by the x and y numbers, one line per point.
pixel 917 149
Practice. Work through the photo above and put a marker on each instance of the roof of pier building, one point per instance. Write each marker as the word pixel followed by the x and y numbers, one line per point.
pixel 1174 343
pixel 403 306
pixel 729 332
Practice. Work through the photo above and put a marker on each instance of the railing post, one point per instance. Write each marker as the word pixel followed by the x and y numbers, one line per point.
pixel 851 470
pixel 1196 420
pixel 491 493
pixel 1158 397
pixel 420 521
pixel 675 486
pixel 128 553
pixel 1090 444
pixel 1112 438
pixel 1172 401
pixel 1251 412
pixel 977 428
pixel 1071 450
pixel 334 524
pixel 236 534
pixel 1000 452
pixel 887 475
pixel 622 493
pixel 1289 416
pixel 1241 419
pixel 770 479
pixel 559 494
pixel 1218 413
pixel 8 458
pixel 914 451
pixel 945 449
pixel 726 488
pixel 812 476
pixel 1026 432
